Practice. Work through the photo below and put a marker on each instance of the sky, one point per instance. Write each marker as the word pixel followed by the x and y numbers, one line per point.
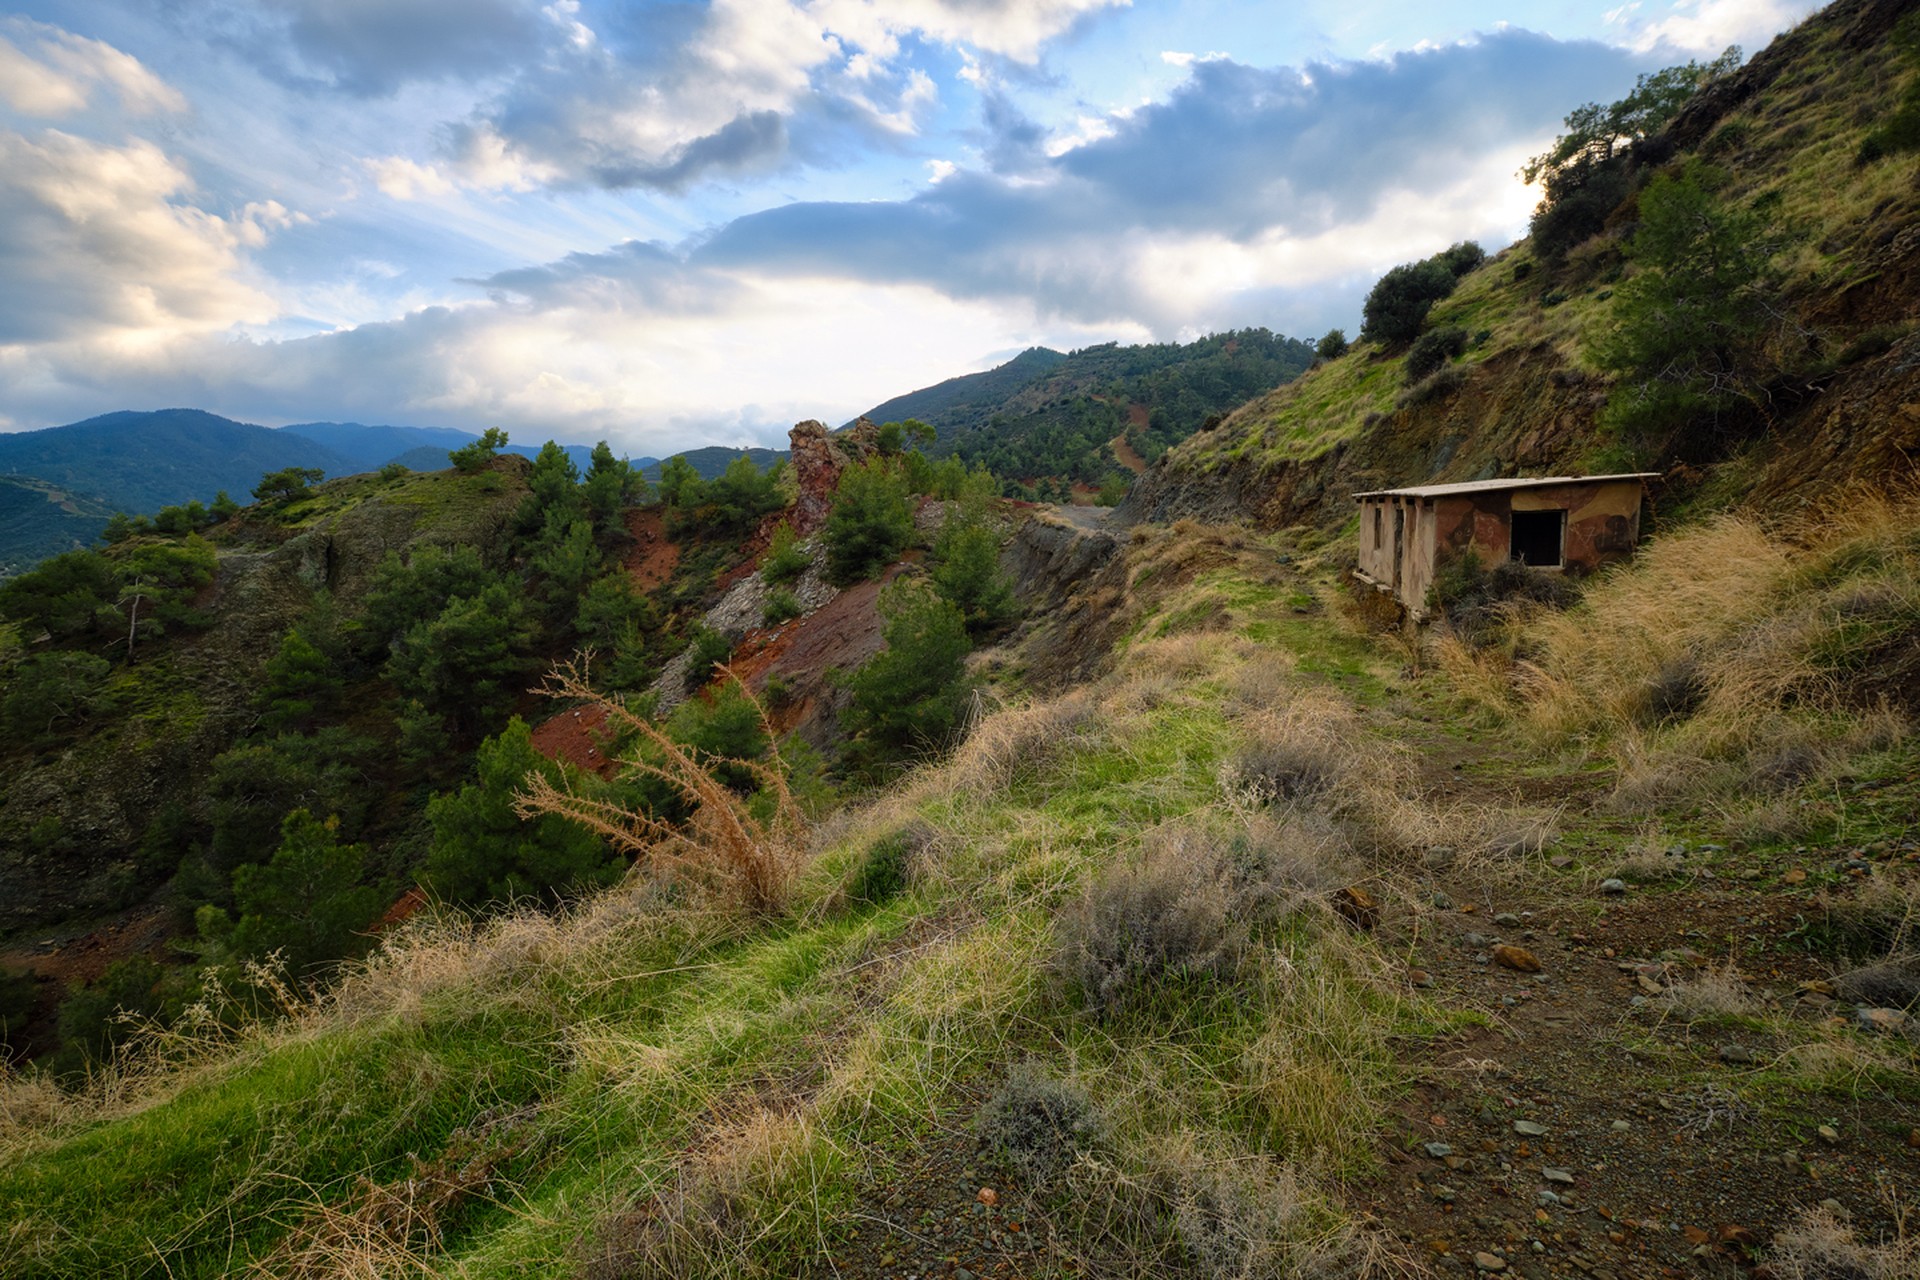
pixel 677 224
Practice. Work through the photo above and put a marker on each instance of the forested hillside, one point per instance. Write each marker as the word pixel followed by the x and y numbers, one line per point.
pixel 1050 420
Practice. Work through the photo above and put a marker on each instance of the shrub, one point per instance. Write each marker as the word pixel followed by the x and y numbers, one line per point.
pixel 484 851
pixel 288 485
pixel 786 559
pixel 887 867
pixel 1433 350
pixel 912 696
pixel 1037 1124
pixel 870 524
pixel 781 606
pixel 749 854
pixel 394 471
pixel 1332 346
pixel 967 573
pixel 1160 918
pixel 475 456
pixel 710 649
pixel 1398 304
pixel 307 902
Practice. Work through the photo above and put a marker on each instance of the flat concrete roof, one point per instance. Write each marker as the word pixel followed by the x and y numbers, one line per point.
pixel 1482 486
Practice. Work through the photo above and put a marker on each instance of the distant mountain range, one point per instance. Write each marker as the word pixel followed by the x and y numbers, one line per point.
pixel 58 486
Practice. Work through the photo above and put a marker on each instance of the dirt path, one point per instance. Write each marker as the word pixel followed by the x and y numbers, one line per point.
pixel 1123 449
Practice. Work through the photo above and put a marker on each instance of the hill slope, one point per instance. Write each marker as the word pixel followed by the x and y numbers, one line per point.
pixel 38 519
pixel 1841 369
pixel 1044 415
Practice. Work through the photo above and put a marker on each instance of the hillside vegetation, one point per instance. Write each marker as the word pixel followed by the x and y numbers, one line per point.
pixel 913 884
pixel 1049 420
pixel 1808 344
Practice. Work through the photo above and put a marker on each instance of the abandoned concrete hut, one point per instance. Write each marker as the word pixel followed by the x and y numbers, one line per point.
pixel 1571 523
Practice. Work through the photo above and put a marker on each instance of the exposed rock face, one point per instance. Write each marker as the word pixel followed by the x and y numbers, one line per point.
pixel 1071 580
pixel 817 457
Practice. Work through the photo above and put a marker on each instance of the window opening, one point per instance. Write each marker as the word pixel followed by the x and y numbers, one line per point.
pixel 1539 538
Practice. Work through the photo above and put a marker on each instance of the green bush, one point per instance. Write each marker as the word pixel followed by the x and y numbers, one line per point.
pixel 1398 304
pixel 967 574
pixel 740 495
pixel 710 649
pixel 1434 349
pixel 870 523
pixel 911 697
pixel 1332 346
pixel 473 457
pixel 781 606
pixel 483 852
pixel 785 560
pixel 94 1018
pixel 307 902
pixel 284 487
pixel 48 688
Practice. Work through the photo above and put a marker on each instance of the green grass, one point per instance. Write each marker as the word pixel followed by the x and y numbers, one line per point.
pixel 638 1047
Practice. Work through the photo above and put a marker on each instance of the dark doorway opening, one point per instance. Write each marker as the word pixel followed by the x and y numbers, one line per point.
pixel 1539 537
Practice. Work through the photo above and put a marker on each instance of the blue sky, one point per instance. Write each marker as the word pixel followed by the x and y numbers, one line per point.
pixel 675 224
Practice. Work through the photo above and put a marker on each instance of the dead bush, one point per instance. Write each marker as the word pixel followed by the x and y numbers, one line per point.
pixel 1880 917
pixel 1183 1209
pixel 1295 753
pixel 1891 984
pixel 1820 1245
pixel 1038 1124
pixel 721 845
pixel 1020 743
pixel 1162 917
pixel 1717 993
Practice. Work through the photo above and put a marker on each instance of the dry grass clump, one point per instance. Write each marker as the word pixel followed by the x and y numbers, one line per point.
pixel 1038 1124
pixel 1717 993
pixel 1821 1245
pixel 1186 1207
pixel 1018 744
pixel 1170 914
pixel 721 845
pixel 1743 641
pixel 746 1202
pixel 394 1229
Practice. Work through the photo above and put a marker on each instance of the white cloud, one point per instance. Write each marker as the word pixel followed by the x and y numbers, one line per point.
pixel 1709 26
pixel 404 179
pixel 48 72
pixel 98 242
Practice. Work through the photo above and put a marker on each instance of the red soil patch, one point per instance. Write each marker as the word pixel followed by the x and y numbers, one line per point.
pixel 654 556
pixel 575 736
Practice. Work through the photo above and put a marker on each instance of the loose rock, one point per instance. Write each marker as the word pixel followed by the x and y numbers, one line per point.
pixel 1613 885
pixel 1516 958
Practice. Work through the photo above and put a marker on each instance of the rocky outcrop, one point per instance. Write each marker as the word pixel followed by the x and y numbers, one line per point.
pixel 817 456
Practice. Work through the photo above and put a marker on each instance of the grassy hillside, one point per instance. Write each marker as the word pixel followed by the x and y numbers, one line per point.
pixel 1531 389
pixel 1173 975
